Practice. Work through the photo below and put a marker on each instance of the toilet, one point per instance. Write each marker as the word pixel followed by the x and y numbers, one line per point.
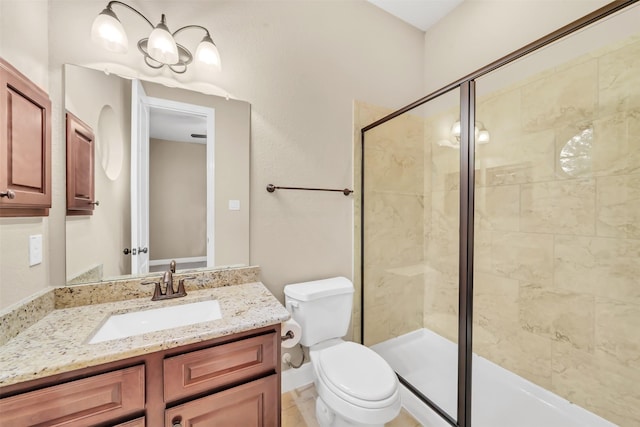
pixel 355 385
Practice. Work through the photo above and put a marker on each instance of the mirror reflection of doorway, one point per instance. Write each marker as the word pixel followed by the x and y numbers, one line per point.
pixel 172 198
pixel 177 189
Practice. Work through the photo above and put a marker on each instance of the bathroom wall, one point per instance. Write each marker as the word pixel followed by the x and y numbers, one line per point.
pixel 299 64
pixel 557 241
pixel 29 53
pixel 496 28
pixel 177 199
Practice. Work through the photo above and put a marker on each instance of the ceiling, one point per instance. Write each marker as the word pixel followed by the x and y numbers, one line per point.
pixel 422 14
pixel 176 126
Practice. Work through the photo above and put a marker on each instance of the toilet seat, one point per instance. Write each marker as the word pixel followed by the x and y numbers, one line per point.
pixel 357 375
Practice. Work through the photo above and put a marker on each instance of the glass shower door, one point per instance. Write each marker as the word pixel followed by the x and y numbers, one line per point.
pixel 410 240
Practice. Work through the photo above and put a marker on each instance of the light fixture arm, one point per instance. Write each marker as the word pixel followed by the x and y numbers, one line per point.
pixel 192 26
pixel 130 8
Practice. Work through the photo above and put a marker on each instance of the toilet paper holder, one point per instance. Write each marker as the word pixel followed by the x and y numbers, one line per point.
pixel 288 336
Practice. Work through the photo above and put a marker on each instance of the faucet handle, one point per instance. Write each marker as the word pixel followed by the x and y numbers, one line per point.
pixel 167 279
pixel 157 292
pixel 181 290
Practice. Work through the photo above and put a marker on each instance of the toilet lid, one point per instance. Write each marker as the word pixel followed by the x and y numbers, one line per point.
pixel 357 371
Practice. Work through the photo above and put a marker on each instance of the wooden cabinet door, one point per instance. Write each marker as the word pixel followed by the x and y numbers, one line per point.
pixel 255 404
pixel 25 145
pixel 85 402
pixel 80 167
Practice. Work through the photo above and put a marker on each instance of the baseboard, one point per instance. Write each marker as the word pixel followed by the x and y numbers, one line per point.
pixel 295 378
pixel 178 260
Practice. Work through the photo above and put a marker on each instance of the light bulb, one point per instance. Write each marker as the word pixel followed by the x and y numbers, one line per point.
pixel 108 32
pixel 207 53
pixel 483 136
pixel 455 130
pixel 161 45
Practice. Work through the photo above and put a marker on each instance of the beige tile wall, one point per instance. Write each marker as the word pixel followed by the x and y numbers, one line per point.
pixel 557 252
pixel 557 288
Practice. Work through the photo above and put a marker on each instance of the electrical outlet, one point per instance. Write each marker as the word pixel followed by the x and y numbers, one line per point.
pixel 234 205
pixel 35 250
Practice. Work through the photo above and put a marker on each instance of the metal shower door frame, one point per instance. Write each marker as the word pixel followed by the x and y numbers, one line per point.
pixel 467 196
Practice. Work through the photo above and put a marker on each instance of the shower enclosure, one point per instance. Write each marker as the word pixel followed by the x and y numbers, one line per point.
pixel 498 234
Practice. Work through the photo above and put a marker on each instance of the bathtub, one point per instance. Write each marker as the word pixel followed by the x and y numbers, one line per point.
pixel 500 398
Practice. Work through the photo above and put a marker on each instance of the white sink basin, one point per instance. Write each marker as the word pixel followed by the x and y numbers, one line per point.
pixel 157 319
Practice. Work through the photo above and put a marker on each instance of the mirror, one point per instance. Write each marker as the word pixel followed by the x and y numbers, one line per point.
pixel 198 186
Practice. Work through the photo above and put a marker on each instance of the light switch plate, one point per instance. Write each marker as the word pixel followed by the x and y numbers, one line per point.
pixel 35 249
pixel 234 205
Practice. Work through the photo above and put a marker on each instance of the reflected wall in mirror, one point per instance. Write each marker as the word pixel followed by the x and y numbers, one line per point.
pixel 177 213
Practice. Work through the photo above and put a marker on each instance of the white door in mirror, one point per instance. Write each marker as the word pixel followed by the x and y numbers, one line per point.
pixel 140 322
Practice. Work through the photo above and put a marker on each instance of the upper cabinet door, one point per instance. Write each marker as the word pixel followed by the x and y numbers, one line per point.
pixel 25 145
pixel 80 167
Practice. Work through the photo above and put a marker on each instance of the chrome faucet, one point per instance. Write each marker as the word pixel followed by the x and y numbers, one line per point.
pixel 167 281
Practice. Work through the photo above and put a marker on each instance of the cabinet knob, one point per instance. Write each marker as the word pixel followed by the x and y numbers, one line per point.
pixel 9 194
pixel 176 422
pixel 96 203
pixel 126 251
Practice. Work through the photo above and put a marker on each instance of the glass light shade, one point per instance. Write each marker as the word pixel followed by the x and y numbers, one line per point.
pixel 207 53
pixel 483 136
pixel 455 130
pixel 108 32
pixel 161 45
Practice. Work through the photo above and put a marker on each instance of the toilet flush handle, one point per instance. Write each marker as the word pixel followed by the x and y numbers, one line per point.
pixel 291 305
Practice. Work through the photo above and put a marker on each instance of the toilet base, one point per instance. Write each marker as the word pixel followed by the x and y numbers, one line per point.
pixel 328 418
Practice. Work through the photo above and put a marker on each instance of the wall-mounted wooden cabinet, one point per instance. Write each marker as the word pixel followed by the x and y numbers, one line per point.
pixel 80 167
pixel 25 145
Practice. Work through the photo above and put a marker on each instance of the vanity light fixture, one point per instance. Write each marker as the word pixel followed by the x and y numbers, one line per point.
pixel 160 48
pixel 481 134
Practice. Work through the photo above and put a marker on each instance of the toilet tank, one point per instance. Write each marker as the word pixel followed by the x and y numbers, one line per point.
pixel 322 308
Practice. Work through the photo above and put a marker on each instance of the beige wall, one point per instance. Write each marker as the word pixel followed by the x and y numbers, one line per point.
pixel 177 199
pixel 299 64
pixel 479 32
pixel 25 49
pixel 97 241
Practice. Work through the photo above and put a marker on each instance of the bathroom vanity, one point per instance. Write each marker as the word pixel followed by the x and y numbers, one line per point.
pixel 225 370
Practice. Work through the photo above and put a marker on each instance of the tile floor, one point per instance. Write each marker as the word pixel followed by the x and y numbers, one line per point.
pixel 298 410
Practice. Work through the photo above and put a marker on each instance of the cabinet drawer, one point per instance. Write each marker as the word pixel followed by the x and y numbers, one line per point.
pixel 254 404
pixel 214 367
pixel 78 403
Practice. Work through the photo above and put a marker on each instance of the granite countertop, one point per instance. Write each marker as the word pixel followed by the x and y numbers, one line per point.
pixel 59 341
